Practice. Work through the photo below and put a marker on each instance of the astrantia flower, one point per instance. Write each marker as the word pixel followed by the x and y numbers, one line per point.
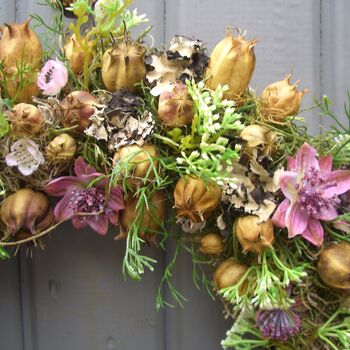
pixel 26 155
pixel 53 77
pixel 85 204
pixel 278 324
pixel 311 189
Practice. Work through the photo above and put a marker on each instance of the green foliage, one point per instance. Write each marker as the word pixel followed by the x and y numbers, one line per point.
pixel 264 285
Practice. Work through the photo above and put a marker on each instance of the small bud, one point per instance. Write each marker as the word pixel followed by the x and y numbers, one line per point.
pixel 196 199
pixel 211 244
pixel 175 107
pixel 333 266
pixel 231 63
pixel 229 273
pixel 281 99
pixel 61 148
pixel 252 236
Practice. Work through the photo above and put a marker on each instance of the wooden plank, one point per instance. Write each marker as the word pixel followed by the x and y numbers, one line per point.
pixel 7 11
pixel 336 53
pixel 289 34
pixel 79 299
pixel 10 306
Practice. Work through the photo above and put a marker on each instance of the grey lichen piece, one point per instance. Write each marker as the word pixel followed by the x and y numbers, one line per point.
pixel 185 59
pixel 134 131
pixel 120 121
pixel 251 189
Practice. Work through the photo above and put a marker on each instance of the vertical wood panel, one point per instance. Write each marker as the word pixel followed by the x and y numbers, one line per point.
pixel 80 300
pixel 336 53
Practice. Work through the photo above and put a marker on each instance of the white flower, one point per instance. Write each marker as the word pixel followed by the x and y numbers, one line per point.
pixel 25 154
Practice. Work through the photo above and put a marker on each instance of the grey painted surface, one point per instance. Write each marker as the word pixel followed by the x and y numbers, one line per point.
pixel 73 295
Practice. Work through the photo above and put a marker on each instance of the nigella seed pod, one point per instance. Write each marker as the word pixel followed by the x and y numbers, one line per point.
pixel 26 120
pixel 139 161
pixel 175 108
pixel 26 211
pixel 229 273
pixel 20 55
pixel 196 199
pixel 258 137
pixel 19 44
pixel 76 110
pixel 333 266
pixel 152 217
pixel 75 54
pixel 231 63
pixel 123 66
pixel 61 149
pixel 211 244
pixel 254 236
pixel 281 99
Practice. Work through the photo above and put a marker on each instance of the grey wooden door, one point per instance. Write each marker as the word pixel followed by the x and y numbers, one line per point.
pixel 73 294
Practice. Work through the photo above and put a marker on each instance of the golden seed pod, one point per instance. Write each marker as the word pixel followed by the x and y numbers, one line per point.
pixel 252 236
pixel 21 86
pixel 152 217
pixel 258 137
pixel 61 148
pixel 26 120
pixel 19 44
pixel 231 63
pixel 26 211
pixel 281 99
pixel 211 244
pixel 333 266
pixel 139 161
pixel 76 110
pixel 123 66
pixel 196 199
pixel 175 108
pixel 20 55
pixel 75 54
pixel 229 273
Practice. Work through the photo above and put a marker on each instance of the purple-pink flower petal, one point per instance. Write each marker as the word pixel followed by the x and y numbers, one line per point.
pixel 53 77
pixel 336 182
pixel 99 223
pixel 296 219
pixel 279 218
pixel 63 210
pixel 325 164
pixel 306 159
pixel 60 186
pixel 314 232
pixel 288 181
pixel 327 213
pixel 78 223
pixel 83 168
pixel 115 200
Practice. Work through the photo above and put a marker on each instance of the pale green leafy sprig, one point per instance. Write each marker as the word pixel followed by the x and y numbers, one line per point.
pixel 265 285
pixel 215 118
pixel 244 335
pixel 336 331
pixel 132 19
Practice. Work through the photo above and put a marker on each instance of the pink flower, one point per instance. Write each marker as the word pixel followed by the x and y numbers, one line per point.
pixel 85 199
pixel 53 77
pixel 311 189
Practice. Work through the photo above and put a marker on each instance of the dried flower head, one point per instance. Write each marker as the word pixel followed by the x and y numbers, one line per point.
pixel 26 156
pixel 53 77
